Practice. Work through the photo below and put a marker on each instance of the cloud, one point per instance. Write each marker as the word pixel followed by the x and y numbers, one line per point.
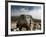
pixel 35 12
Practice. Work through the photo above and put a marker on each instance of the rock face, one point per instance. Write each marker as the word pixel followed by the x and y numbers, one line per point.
pixel 25 23
pixel 22 23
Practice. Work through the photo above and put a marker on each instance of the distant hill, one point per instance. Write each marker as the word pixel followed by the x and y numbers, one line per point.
pixel 14 18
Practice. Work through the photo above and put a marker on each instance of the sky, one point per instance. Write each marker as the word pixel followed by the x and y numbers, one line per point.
pixel 34 11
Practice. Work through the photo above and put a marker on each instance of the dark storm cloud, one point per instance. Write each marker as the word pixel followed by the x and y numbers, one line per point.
pixel 15 8
pixel 20 7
